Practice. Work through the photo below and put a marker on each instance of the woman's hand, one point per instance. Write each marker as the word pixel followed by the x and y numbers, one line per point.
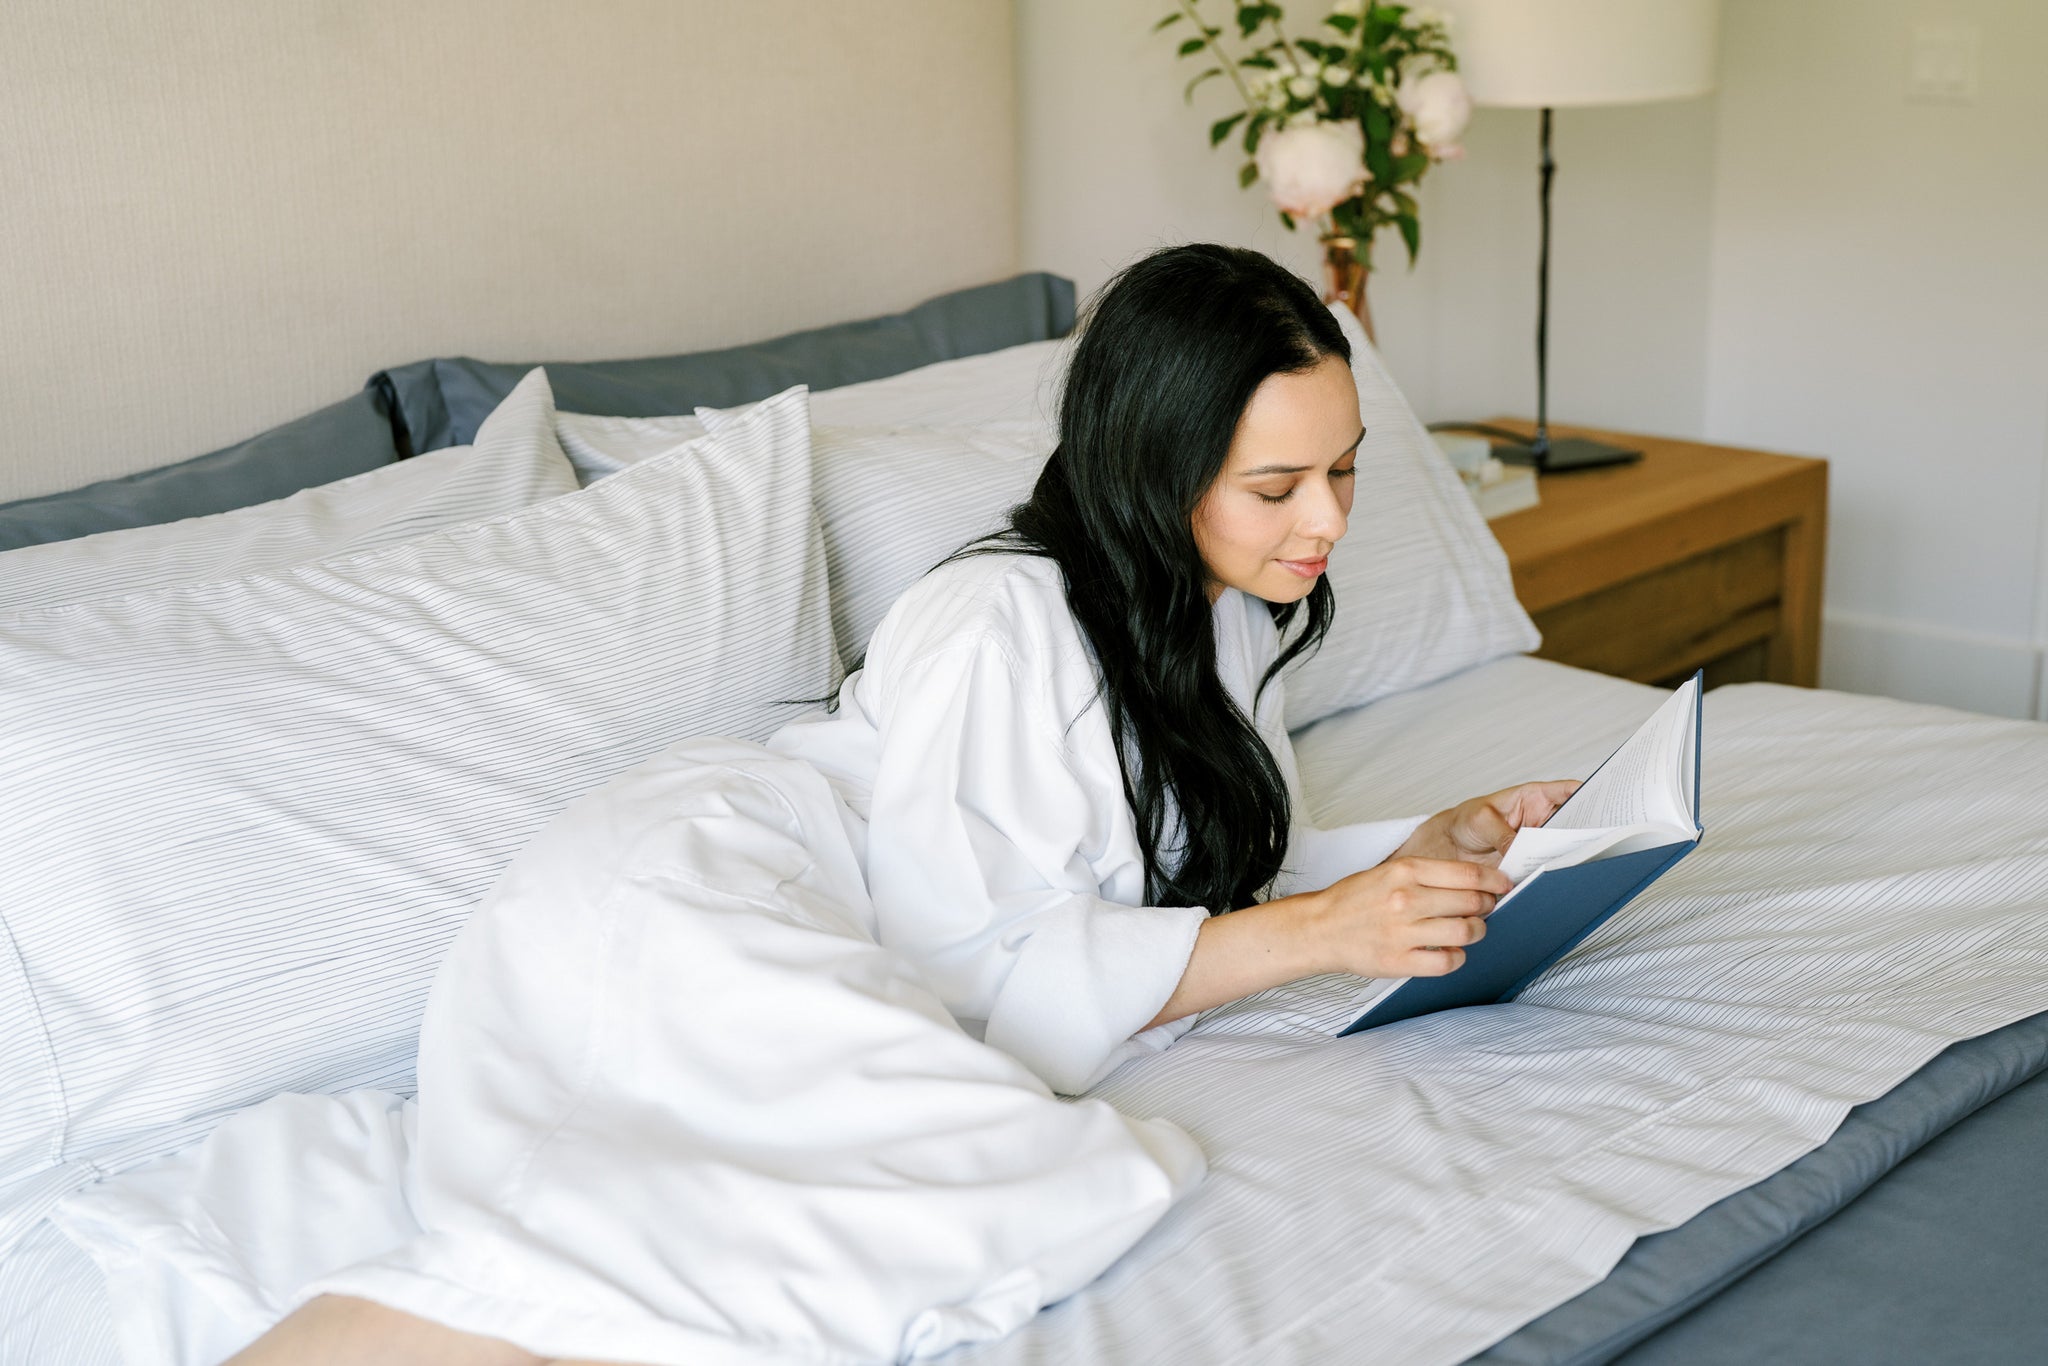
pixel 1409 917
pixel 1479 830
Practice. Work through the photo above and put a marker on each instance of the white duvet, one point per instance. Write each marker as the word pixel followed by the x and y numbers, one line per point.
pixel 682 1108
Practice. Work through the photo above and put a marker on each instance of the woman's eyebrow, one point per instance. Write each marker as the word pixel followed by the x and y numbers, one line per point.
pixel 1297 469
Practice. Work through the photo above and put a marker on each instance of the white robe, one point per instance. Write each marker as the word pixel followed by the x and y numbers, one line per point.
pixel 691 1083
pixel 1001 855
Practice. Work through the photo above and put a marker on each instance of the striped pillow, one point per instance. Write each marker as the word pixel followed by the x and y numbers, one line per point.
pixel 600 446
pixel 506 470
pixel 893 503
pixel 1423 588
pixel 912 466
pixel 243 818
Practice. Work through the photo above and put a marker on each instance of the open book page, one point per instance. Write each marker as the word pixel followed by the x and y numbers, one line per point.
pixel 1640 798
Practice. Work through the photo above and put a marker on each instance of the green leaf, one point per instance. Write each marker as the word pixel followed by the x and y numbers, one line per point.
pixel 1411 166
pixel 1376 161
pixel 1188 95
pixel 1246 174
pixel 1249 17
pixel 1343 23
pixel 1287 220
pixel 1253 130
pixel 1411 234
pixel 1192 46
pixel 1220 129
pixel 1172 18
pixel 1379 129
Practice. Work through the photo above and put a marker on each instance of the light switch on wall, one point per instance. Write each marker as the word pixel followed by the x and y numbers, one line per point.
pixel 1942 65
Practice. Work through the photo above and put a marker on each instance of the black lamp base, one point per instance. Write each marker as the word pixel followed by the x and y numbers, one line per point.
pixel 1566 453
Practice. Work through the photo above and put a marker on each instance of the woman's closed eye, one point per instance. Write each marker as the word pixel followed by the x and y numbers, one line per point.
pixel 1344 473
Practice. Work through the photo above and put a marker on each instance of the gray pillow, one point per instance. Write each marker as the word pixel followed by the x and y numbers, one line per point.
pixel 349 437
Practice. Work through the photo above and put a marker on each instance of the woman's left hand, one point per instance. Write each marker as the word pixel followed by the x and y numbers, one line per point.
pixel 1479 830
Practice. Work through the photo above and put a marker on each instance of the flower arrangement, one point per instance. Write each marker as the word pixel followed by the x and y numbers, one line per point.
pixel 1340 126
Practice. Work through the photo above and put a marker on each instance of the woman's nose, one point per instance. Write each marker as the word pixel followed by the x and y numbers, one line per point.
pixel 1323 517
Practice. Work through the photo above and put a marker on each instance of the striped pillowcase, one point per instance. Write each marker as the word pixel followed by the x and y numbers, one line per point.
pixel 245 817
pixel 601 446
pixel 893 503
pixel 920 463
pixel 507 469
pixel 1423 588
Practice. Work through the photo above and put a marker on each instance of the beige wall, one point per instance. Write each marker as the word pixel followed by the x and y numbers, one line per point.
pixel 217 215
pixel 1806 261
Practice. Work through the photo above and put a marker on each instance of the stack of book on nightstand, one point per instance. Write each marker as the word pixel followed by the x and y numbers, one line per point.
pixel 1498 489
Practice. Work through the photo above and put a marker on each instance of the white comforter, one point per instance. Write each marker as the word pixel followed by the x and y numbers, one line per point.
pixel 679 1107
pixel 1873 885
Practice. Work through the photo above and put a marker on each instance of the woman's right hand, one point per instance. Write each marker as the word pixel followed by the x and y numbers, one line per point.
pixel 1408 917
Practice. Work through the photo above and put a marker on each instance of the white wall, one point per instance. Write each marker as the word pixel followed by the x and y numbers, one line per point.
pixel 1805 261
pixel 1880 296
pixel 218 215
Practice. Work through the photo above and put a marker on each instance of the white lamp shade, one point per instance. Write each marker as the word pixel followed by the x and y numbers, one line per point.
pixel 1535 54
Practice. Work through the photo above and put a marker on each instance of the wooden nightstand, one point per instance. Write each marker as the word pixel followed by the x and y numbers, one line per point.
pixel 1694 556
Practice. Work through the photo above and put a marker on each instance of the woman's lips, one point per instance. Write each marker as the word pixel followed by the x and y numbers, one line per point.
pixel 1308 569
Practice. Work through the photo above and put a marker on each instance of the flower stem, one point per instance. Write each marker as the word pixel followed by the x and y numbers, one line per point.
pixel 1292 55
pixel 1229 67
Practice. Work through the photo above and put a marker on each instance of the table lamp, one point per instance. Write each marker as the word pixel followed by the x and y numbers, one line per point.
pixel 1555 54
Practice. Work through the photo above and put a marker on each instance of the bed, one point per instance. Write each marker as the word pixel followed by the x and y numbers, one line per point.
pixel 1696 1120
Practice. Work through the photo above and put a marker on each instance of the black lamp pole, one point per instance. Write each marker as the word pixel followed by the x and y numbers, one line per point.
pixel 1566 453
pixel 1540 447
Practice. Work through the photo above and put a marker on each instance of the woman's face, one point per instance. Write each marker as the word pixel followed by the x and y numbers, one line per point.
pixel 1267 523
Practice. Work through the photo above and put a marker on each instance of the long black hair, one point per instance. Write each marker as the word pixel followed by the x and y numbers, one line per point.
pixel 1169 355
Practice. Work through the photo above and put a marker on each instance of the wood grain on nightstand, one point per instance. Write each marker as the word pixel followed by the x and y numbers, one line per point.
pixel 1695 556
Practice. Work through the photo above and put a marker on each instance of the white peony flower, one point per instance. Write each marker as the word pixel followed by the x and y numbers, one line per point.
pixel 1312 70
pixel 1302 87
pixel 1311 169
pixel 1301 118
pixel 1337 75
pixel 1439 107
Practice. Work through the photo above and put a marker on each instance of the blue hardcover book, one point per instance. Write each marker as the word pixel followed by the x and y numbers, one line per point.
pixel 1624 827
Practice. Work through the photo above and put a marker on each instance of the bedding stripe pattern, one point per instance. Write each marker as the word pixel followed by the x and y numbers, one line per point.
pixel 53 1304
pixel 1412 1194
pixel 892 504
pixel 1668 1274
pixel 323 767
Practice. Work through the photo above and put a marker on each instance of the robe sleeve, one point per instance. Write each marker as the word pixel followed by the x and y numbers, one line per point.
pixel 980 831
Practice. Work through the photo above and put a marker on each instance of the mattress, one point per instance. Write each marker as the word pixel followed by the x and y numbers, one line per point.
pixel 1417 1193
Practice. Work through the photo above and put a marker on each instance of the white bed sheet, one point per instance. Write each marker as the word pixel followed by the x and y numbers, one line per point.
pixel 1872 886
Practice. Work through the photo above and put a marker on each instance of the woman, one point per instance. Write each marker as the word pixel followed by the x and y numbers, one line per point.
pixel 1064 758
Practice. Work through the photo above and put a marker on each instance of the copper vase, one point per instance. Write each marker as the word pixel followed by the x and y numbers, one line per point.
pixel 1344 276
